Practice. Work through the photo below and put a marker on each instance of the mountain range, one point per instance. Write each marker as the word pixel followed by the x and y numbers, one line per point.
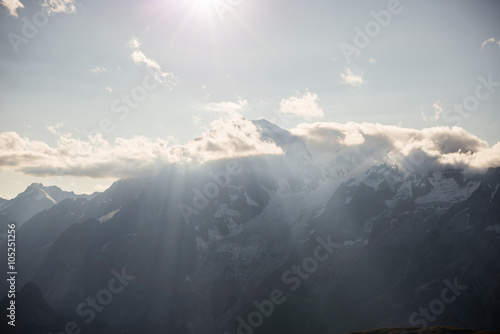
pixel 34 199
pixel 262 244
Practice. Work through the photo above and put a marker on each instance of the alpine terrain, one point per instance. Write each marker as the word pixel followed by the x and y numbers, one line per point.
pixel 262 244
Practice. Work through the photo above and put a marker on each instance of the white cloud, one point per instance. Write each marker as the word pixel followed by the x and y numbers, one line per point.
pixel 305 106
pixel 98 70
pixel 134 43
pixel 140 58
pixel 349 78
pixel 372 60
pixel 434 112
pixel 98 158
pixel 12 6
pixel 423 115
pixel 438 110
pixel 54 129
pixel 59 6
pixel 489 40
pixel 351 147
pixel 196 119
pixel 355 147
pixel 164 78
pixel 229 137
pixel 227 107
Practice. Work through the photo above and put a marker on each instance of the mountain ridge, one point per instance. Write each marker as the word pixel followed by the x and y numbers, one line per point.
pixel 208 244
pixel 34 199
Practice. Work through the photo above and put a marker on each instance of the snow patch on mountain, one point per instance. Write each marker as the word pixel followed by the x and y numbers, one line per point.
pixel 320 211
pixel 41 194
pixel 494 228
pixel 108 216
pixel 447 189
pixel 406 189
pixel 250 201
pixel 103 248
pixel 494 193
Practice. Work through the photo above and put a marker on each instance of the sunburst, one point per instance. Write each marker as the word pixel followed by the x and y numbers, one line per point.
pixel 204 4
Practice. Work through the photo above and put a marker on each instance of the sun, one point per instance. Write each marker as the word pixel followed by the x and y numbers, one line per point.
pixel 204 4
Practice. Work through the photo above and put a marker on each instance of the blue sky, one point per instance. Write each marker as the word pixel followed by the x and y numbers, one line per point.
pixel 165 70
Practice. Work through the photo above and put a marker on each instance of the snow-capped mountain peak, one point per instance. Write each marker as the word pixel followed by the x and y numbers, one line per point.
pixel 34 199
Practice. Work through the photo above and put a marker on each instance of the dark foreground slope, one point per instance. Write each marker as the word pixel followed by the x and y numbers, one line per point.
pixel 430 330
pixel 35 316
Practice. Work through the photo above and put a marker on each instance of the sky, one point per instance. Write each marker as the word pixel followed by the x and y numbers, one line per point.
pixel 93 91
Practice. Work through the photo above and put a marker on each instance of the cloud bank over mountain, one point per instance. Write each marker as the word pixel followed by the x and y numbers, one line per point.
pixel 98 158
pixel 350 146
pixel 367 144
